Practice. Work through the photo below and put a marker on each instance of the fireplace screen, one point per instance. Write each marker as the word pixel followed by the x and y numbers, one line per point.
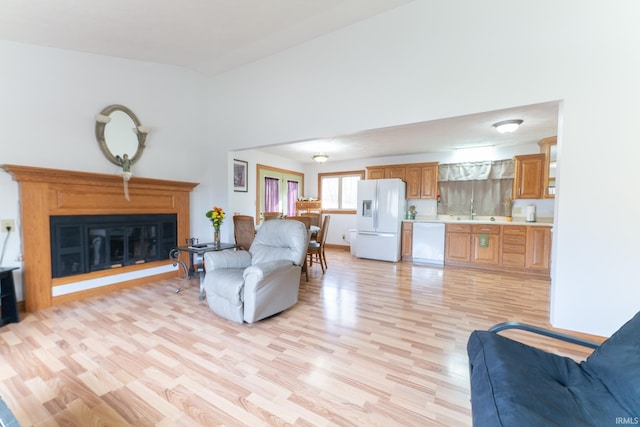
pixel 85 243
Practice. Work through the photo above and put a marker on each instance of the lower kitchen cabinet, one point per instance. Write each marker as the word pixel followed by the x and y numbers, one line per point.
pixel 505 247
pixel 457 243
pixel 485 244
pixel 514 245
pixel 538 248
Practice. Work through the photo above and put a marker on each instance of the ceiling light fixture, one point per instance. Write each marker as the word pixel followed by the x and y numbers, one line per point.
pixel 320 158
pixel 507 126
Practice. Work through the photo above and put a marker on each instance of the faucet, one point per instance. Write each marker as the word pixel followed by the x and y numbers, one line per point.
pixel 473 214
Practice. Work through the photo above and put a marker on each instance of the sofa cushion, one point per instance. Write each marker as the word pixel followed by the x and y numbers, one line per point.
pixel 516 384
pixel 617 364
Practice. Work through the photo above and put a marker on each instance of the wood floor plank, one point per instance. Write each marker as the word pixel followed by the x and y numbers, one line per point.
pixel 369 343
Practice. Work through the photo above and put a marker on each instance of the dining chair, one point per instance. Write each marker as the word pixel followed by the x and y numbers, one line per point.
pixel 315 218
pixel 315 221
pixel 303 219
pixel 271 215
pixel 244 230
pixel 316 247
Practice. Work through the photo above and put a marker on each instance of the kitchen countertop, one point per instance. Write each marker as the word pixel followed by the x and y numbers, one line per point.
pixel 499 220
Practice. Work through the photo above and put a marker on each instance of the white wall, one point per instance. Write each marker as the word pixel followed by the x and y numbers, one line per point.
pixel 48 101
pixel 423 61
pixel 245 203
pixel 432 59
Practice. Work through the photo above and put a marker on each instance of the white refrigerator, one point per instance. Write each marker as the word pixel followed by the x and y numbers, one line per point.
pixel 381 207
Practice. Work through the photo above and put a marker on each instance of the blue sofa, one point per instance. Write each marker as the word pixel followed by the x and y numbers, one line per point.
pixel 513 384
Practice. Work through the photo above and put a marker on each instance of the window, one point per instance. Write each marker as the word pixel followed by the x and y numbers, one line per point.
pixel 278 190
pixel 339 190
pixel 479 186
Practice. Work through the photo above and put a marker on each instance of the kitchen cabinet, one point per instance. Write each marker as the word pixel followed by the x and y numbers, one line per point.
pixel 529 172
pixel 395 172
pixel 429 184
pixel 538 248
pixel 457 243
pixel 485 244
pixel 422 181
pixel 386 172
pixel 548 147
pixel 421 178
pixel 375 172
pixel 507 247
pixel 514 239
pixel 407 239
pixel 414 182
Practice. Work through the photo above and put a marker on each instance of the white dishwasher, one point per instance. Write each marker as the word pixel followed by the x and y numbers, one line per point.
pixel 428 242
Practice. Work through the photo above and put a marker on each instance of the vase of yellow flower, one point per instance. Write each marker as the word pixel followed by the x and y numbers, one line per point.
pixel 216 216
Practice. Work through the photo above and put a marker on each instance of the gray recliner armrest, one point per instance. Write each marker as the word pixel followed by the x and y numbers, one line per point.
pixel 226 259
pixel 263 270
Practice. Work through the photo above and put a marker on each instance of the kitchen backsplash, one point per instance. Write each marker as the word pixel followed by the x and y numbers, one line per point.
pixel 544 207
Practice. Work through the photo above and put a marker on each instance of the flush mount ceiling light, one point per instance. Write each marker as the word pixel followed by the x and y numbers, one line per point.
pixel 320 158
pixel 507 126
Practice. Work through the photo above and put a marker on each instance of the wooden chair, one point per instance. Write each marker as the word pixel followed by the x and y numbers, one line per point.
pixel 315 220
pixel 303 219
pixel 244 230
pixel 316 247
pixel 271 215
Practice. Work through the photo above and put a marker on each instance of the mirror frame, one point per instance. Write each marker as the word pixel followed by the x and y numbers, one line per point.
pixel 103 143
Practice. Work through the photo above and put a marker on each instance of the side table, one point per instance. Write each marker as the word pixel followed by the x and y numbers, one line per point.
pixel 8 296
pixel 174 255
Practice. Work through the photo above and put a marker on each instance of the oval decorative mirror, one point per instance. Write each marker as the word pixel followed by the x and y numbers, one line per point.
pixel 120 133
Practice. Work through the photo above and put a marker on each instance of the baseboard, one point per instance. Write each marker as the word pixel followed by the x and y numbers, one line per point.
pixel 346 248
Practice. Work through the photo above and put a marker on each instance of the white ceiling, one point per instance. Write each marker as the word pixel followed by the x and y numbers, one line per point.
pixel 210 36
pixel 475 130
pixel 213 36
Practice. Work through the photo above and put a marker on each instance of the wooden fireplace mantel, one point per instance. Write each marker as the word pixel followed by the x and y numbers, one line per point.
pixel 48 192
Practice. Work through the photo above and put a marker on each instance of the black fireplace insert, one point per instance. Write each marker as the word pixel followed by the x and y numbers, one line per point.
pixel 85 243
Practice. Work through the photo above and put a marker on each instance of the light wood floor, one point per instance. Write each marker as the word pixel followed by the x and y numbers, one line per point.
pixel 369 344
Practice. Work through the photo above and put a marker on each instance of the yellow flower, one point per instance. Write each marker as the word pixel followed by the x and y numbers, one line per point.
pixel 216 215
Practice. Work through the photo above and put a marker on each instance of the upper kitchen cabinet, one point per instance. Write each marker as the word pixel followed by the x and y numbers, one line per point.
pixel 386 172
pixel 395 172
pixel 429 181
pixel 548 147
pixel 375 172
pixel 421 178
pixel 422 181
pixel 529 173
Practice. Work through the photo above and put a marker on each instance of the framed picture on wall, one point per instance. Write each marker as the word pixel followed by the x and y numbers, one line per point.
pixel 240 169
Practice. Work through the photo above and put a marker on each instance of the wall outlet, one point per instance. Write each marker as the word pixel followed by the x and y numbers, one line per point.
pixel 517 211
pixel 8 223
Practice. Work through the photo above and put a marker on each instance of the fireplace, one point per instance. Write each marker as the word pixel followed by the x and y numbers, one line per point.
pixel 123 258
pixel 85 243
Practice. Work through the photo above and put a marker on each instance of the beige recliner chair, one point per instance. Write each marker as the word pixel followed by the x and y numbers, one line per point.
pixel 251 285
